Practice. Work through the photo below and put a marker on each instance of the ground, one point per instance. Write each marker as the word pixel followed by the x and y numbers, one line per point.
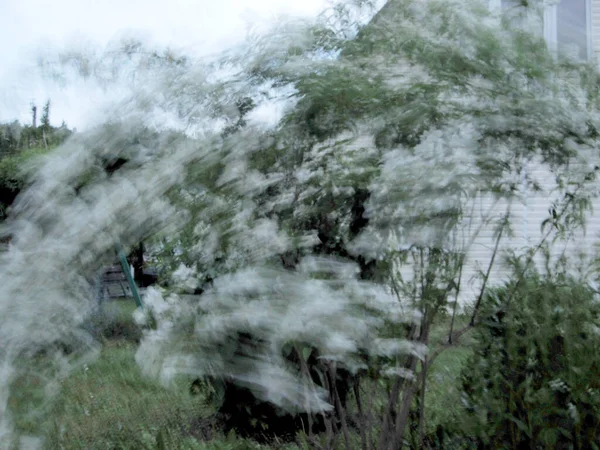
pixel 109 404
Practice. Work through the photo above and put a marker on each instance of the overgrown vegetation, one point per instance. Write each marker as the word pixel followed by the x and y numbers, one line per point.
pixel 108 403
pixel 20 144
pixel 315 267
pixel 532 381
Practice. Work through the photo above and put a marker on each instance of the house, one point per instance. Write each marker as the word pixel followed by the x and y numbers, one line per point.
pixel 567 25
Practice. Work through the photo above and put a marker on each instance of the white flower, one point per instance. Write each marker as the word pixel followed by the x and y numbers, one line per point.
pixel 185 277
pixel 573 413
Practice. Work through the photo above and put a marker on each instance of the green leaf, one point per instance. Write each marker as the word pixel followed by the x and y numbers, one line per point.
pixel 306 351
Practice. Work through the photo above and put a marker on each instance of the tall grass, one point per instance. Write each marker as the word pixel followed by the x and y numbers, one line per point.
pixel 109 404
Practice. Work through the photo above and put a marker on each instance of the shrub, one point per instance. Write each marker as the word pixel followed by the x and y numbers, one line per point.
pixel 532 381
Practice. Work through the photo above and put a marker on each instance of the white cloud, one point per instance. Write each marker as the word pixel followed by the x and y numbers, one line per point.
pixel 198 27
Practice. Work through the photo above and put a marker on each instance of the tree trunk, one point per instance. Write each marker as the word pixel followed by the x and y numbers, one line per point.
pixel 137 261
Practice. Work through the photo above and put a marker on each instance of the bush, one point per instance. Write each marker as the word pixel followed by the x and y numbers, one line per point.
pixel 532 381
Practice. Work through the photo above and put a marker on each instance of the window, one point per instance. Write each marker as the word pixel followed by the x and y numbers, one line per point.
pixel 572 28
pixel 567 24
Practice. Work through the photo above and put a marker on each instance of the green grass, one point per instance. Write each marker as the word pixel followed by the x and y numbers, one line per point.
pixel 109 404
pixel 114 321
pixel 442 395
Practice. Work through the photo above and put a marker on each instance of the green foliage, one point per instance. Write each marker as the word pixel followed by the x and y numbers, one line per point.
pixel 532 382
pixel 10 137
pixel 14 175
pixel 45 120
pixel 19 146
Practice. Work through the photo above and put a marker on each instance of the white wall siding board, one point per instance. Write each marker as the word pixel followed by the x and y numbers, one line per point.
pixel 480 252
pixel 526 216
pixel 526 219
pixel 589 5
pixel 595 24
pixel 538 210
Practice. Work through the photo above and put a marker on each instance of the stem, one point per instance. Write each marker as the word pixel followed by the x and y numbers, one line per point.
pixel 361 416
pixel 402 419
pixel 338 405
pixel 328 422
pixel 424 370
pixel 393 398
pixel 460 270
pixel 489 269
pixel 369 417
pixel 387 418
pixel 306 374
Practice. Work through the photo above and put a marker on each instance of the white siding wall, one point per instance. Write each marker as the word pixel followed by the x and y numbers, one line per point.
pixel 527 218
pixel 595 13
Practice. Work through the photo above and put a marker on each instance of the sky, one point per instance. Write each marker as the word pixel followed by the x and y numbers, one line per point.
pixel 31 27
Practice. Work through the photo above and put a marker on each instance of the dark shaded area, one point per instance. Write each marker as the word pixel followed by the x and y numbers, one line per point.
pixel 331 245
pixel 264 421
pixel 112 165
pixel 7 197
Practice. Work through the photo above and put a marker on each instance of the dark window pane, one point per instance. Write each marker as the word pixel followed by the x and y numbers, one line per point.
pixel 572 25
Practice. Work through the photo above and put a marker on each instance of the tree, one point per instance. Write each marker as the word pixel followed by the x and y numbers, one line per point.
pixel 45 120
pixel 18 148
pixel 46 123
pixel 33 115
pixel 10 137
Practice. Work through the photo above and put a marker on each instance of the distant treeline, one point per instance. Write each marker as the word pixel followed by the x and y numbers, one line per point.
pixel 15 137
pixel 18 143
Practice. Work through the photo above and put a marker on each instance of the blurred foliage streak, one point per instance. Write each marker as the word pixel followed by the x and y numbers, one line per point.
pixel 316 185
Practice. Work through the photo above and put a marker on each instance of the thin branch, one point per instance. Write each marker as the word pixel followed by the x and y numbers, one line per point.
pixel 361 414
pixel 457 291
pixel 489 269
pixel 338 405
pixel 570 198
pixel 424 371
pixel 451 343
pixel 453 339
